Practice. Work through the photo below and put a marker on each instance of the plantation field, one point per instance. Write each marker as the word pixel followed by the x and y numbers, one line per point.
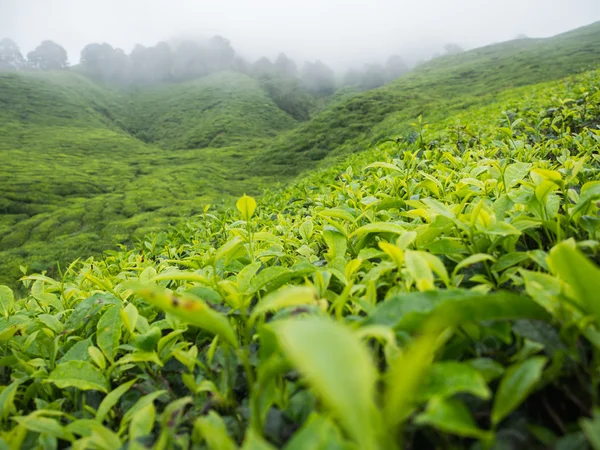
pixel 435 291
pixel 86 168
pixel 77 179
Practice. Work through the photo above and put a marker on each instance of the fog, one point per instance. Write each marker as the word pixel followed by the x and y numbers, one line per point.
pixel 342 33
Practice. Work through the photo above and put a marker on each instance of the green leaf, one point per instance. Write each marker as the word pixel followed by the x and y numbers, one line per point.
pixel 44 425
pixel 379 227
pixel 447 378
pixel 78 352
pixel 591 428
pixel 146 342
pixel 514 173
pixel 383 165
pixel 87 309
pixel 336 242
pixel 306 230
pixel 288 296
pixel 419 270
pixel 7 300
pixel 212 429
pixel 317 433
pixel 52 322
pixel 509 260
pixel 516 384
pixel 151 357
pixel 254 441
pixel 129 316
pixel 109 332
pixel 78 374
pixel 473 259
pixel 7 399
pixel 245 276
pixel 142 422
pixel 111 400
pixel 104 438
pixel 570 265
pixel 226 252
pixel 269 275
pixel 453 306
pixel 141 404
pixel 451 416
pixel 487 367
pixel 97 357
pixel 246 206
pixel 338 368
pixel 502 229
pixel 395 253
pixel 190 309
pixel 405 377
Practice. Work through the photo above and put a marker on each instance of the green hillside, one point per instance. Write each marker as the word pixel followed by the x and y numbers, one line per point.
pixel 433 293
pixel 76 178
pixel 435 89
pixel 214 111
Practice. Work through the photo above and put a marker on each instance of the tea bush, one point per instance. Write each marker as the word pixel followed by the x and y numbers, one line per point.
pixel 438 291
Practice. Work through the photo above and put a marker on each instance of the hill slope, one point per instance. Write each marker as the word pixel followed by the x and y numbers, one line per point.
pixel 75 179
pixel 435 89
pixel 214 111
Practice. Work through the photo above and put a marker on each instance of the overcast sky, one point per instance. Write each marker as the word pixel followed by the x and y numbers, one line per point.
pixel 340 32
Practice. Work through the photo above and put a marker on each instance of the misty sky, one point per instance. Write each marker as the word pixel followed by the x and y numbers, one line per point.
pixel 340 32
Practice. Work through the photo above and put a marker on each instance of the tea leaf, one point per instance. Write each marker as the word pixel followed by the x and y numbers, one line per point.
pixel 189 309
pixel 289 296
pixel 516 384
pixel 212 428
pixel 451 416
pixel 78 374
pixel 246 206
pixel 109 332
pixel 338 368
pixel 112 399
pixel 574 268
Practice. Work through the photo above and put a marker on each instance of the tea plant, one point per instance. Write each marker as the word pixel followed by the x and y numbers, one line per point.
pixel 436 292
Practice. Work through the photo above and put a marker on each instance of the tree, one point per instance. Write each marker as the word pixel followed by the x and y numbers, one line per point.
pixel 160 61
pixel 263 66
pixel 48 56
pixel 105 63
pixel 453 49
pixel 395 67
pixel 241 65
pixel 220 54
pixel 286 66
pixel 10 56
pixel 189 61
pixel 152 64
pixel 318 79
pixel 373 77
pixel 353 77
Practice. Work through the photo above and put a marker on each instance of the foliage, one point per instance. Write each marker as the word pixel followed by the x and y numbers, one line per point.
pixel 421 295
